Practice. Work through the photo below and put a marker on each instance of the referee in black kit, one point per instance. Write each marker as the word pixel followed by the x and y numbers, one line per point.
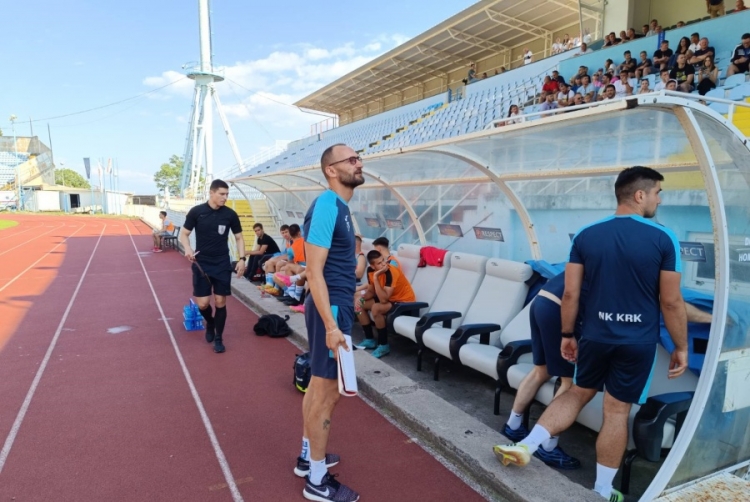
pixel 212 269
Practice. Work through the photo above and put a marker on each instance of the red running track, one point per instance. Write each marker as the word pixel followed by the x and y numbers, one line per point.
pixel 96 404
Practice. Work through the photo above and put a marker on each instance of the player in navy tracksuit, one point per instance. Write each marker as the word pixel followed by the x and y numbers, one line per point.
pixel 630 268
pixel 329 315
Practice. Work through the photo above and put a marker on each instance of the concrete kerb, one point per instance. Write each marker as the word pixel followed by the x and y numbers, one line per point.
pixel 457 436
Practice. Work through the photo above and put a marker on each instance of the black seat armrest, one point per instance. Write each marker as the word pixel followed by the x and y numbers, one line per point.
pixel 648 426
pixel 403 308
pixel 463 333
pixel 509 356
pixel 431 318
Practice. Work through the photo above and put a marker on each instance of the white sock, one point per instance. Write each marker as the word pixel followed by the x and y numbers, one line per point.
pixel 604 477
pixel 537 436
pixel 294 278
pixel 305 455
pixel 318 469
pixel 298 291
pixel 551 443
pixel 515 420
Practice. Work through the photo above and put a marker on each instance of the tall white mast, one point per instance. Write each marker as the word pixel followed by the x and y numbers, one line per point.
pixel 199 145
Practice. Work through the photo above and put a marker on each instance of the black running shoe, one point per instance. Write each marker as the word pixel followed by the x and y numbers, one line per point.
pixel 303 466
pixel 329 490
pixel 210 334
pixel 219 345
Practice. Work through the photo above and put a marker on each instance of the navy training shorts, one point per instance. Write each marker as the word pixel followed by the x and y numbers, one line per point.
pixel 546 338
pixel 322 363
pixel 625 370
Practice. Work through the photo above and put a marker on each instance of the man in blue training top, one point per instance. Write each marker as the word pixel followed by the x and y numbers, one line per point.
pixel 329 314
pixel 630 269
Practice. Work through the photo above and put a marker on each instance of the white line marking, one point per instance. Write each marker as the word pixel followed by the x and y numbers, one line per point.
pixel 236 496
pixel 35 383
pixel 4 235
pixel 40 259
pixel 26 242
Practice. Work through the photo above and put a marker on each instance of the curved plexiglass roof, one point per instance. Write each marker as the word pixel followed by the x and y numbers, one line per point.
pixel 538 182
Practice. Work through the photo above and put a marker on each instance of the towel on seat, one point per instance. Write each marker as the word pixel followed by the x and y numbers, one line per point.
pixel 432 256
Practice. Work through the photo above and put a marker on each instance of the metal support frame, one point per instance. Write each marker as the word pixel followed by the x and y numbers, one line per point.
pixel 268 200
pixel 516 24
pixel 404 202
pixel 697 140
pixel 475 41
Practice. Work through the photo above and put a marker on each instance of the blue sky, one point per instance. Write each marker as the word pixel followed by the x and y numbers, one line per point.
pixel 59 58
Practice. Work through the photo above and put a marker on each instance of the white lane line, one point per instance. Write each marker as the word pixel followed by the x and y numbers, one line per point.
pixel 40 259
pixel 4 235
pixel 35 383
pixel 236 496
pixel 26 242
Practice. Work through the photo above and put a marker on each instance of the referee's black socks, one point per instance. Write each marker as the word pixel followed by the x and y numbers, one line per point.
pixel 220 318
pixel 208 315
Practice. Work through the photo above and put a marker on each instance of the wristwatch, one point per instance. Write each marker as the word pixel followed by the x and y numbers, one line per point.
pixel 566 335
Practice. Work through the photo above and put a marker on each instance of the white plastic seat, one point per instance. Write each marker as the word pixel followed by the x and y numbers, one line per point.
pixel 462 281
pixel 499 298
pixel 408 256
pixel 366 245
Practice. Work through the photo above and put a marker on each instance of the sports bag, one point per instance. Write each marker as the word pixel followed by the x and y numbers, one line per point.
pixel 302 371
pixel 273 326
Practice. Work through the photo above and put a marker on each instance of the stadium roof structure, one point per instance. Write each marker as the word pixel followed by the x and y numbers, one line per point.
pixel 486 28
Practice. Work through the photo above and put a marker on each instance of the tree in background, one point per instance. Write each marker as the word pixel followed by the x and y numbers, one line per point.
pixel 169 175
pixel 70 178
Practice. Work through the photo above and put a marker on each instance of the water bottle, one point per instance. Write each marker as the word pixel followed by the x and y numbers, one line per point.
pixel 360 304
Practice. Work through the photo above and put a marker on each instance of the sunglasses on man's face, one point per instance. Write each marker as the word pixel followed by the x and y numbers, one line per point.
pixel 352 160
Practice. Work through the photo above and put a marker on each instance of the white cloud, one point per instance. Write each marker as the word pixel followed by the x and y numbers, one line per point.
pixel 181 85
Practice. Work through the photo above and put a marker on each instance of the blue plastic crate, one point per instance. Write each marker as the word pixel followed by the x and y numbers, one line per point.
pixel 196 325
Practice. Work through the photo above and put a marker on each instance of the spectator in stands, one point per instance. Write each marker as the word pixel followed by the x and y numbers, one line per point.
pixel 622 85
pixel 558 46
pixel 644 30
pixel 596 81
pixel 662 83
pixel 643 89
pixel 606 82
pixel 632 35
pixel 672 85
pixel 624 36
pixel 528 56
pixel 549 87
pixel 683 47
pixel 557 77
pixel 652 30
pixel 702 53
pixel 680 24
pixel 739 6
pixel 586 86
pixel 740 57
pixel 544 321
pixel 471 77
pixel 708 76
pixel 382 245
pixel 386 285
pixel 565 95
pixel 695 39
pixel 683 73
pixel 643 260
pixel 583 50
pixel 645 66
pixel 514 115
pixel 609 67
pixel 662 55
pixel 265 247
pixel 578 100
pixel 628 65
pixel 715 8
pixel 167 228
pixel 549 104
pixel 609 93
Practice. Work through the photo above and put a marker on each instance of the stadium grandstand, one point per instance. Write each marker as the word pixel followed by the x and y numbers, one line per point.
pixel 497 135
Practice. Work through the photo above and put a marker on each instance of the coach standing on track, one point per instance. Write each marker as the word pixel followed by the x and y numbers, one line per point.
pixel 329 314
pixel 212 274
pixel 630 269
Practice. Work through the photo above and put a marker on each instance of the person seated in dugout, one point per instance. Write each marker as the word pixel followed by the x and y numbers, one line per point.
pixel 265 247
pixel 291 276
pixel 359 256
pixel 382 246
pixel 385 286
pixel 282 257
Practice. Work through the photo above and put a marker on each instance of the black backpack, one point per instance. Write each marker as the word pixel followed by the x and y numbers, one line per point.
pixel 272 325
pixel 302 371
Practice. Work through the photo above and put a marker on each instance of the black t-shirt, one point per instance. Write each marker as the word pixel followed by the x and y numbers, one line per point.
pixel 211 231
pixel 658 53
pixel 271 246
pixel 681 74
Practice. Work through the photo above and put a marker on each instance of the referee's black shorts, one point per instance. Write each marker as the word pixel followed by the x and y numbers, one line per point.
pixel 219 281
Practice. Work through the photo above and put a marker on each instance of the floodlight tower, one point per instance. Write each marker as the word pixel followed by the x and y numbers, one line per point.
pixel 199 145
